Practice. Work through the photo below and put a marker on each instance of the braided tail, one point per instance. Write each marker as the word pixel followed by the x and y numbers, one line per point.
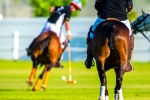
pixel 109 33
pixel 44 43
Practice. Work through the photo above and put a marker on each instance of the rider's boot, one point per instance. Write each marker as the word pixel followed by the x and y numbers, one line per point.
pixel 130 68
pixel 29 48
pixel 89 60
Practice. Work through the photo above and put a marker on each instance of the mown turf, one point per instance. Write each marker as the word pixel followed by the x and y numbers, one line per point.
pixel 136 84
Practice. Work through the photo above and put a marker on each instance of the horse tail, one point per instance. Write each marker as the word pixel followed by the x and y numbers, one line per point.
pixel 44 43
pixel 109 33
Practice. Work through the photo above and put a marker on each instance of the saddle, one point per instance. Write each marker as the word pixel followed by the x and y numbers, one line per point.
pixel 113 19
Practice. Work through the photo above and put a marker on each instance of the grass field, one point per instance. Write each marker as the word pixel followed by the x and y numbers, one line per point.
pixel 13 75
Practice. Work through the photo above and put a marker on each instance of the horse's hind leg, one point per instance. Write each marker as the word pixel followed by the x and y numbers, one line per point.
pixel 103 87
pixel 43 87
pixel 32 75
pixel 39 80
pixel 119 80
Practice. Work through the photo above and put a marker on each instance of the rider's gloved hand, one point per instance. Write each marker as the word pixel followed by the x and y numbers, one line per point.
pixel 68 37
pixel 129 6
pixel 129 9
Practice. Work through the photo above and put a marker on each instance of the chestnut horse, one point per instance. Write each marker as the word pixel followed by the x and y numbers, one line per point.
pixel 111 49
pixel 45 51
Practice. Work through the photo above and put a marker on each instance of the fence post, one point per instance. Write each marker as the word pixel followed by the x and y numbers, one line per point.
pixel 16 46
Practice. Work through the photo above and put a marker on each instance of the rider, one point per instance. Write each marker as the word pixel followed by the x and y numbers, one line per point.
pixel 109 9
pixel 60 15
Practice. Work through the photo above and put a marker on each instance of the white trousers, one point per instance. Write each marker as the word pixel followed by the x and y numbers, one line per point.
pixel 52 27
pixel 99 20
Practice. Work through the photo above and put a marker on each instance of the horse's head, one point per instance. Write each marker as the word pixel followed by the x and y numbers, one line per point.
pixel 142 23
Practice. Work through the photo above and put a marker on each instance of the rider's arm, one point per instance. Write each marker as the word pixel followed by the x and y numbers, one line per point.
pixel 67 23
pixel 67 26
pixel 97 4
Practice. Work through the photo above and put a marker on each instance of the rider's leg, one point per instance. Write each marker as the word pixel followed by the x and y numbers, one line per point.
pixel 127 23
pixel 88 61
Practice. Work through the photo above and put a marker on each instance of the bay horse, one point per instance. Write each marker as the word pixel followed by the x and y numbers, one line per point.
pixel 45 51
pixel 111 49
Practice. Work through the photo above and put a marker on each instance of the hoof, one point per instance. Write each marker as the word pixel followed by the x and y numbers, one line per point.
pixel 34 89
pixel 29 82
pixel 43 87
pixel 117 97
pixel 101 98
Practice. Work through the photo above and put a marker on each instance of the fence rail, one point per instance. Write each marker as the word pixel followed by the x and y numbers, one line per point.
pixel 17 34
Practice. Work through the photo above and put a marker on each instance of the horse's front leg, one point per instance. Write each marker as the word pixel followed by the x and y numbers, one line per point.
pixel 103 87
pixel 32 75
pixel 119 79
pixel 43 87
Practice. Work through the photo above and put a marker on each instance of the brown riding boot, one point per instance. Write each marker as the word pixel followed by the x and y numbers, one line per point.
pixel 130 68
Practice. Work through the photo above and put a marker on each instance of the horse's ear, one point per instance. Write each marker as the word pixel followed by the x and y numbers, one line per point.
pixel 143 13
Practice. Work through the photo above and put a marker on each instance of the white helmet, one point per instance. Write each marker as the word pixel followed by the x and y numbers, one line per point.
pixel 77 3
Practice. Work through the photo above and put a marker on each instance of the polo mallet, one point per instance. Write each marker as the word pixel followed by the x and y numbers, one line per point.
pixel 69 64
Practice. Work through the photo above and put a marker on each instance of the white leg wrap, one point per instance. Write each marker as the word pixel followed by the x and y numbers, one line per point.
pixel 106 97
pixel 119 95
pixel 102 93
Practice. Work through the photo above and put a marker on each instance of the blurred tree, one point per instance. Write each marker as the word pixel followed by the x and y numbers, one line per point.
pixel 41 7
pixel 132 16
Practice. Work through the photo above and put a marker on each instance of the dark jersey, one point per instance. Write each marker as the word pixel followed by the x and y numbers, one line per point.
pixel 60 15
pixel 113 8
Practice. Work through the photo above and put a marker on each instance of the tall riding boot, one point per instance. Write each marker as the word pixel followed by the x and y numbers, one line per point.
pixel 130 68
pixel 29 49
pixel 89 59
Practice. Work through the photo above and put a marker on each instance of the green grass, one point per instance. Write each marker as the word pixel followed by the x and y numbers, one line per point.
pixel 13 75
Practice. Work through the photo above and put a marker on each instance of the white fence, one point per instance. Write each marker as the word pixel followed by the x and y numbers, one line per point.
pixel 17 34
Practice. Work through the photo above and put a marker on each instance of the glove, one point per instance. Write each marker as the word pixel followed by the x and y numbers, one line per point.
pixel 129 9
pixel 69 37
pixel 129 6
